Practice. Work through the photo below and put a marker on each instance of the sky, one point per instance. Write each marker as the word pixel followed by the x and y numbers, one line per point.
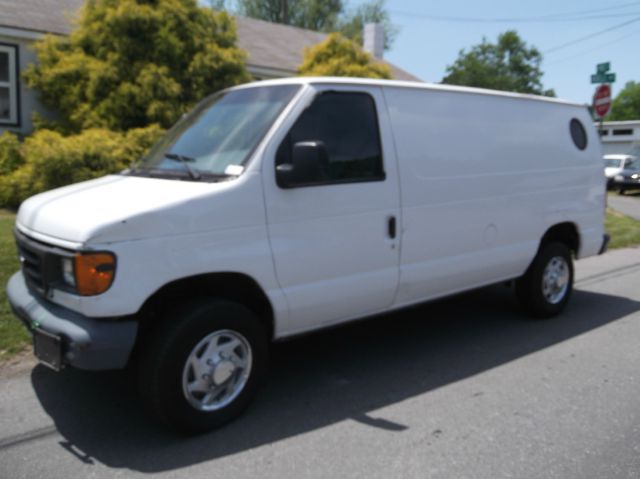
pixel 426 45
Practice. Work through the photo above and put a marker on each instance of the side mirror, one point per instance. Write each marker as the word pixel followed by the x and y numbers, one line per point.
pixel 309 164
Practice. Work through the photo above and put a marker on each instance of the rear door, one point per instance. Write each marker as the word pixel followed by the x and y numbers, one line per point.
pixel 335 241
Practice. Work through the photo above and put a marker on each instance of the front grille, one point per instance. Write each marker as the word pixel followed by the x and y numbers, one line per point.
pixel 40 263
pixel 32 261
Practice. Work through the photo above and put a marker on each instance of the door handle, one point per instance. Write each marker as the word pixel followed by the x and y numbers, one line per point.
pixel 391 227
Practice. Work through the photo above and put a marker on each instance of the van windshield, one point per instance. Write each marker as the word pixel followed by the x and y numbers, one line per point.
pixel 633 165
pixel 613 163
pixel 216 138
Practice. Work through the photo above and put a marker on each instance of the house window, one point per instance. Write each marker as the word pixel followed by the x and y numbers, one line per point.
pixel 623 132
pixel 8 85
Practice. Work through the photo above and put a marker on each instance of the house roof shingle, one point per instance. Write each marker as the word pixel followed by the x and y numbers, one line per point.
pixel 46 16
pixel 272 45
pixel 269 45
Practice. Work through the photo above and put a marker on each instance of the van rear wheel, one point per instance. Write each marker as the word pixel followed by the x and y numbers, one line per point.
pixel 545 288
pixel 202 367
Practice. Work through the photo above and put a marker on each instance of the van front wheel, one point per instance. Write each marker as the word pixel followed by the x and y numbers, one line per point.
pixel 545 288
pixel 202 367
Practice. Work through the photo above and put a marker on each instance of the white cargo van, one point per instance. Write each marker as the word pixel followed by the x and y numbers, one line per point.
pixel 281 207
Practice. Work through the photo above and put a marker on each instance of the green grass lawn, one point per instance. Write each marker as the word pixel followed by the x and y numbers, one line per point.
pixel 624 232
pixel 13 336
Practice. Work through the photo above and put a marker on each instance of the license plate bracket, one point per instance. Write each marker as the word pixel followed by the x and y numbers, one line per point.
pixel 48 348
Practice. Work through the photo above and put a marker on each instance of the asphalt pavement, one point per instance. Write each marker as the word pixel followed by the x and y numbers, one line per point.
pixel 461 388
pixel 627 205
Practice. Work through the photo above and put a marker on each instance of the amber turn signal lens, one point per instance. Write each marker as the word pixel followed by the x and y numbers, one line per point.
pixel 94 273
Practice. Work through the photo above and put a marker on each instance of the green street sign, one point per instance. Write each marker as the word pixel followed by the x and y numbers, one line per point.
pixel 602 75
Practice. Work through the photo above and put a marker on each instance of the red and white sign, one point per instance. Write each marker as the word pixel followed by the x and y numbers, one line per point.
pixel 602 100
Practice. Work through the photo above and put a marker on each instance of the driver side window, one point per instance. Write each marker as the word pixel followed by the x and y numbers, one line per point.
pixel 346 126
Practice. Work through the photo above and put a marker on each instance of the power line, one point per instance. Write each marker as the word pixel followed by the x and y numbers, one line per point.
pixel 596 10
pixel 437 18
pixel 558 17
pixel 592 35
pixel 599 47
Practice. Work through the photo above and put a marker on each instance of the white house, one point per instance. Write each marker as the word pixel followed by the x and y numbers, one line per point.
pixel 274 51
pixel 620 136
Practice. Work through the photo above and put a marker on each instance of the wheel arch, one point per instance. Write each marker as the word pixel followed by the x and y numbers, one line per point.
pixel 233 286
pixel 566 233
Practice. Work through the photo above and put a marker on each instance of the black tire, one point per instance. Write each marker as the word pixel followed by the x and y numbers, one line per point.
pixel 530 289
pixel 164 356
pixel 621 191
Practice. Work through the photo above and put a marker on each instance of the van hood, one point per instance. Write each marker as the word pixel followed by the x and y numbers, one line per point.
pixel 629 171
pixel 611 171
pixel 120 208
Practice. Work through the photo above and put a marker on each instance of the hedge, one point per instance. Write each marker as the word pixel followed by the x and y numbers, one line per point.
pixel 47 159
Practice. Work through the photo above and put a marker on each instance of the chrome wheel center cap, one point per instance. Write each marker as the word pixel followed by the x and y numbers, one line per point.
pixel 217 370
pixel 222 372
pixel 555 282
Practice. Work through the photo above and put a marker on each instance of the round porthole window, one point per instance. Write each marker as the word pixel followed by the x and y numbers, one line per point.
pixel 578 134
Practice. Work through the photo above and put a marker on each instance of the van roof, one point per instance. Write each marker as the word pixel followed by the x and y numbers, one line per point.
pixel 617 156
pixel 406 84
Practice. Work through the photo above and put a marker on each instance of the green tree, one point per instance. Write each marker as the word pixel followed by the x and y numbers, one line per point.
pixel 339 56
pixel 626 105
pixel 10 158
pixel 319 15
pixel 218 4
pixel 132 63
pixel 322 16
pixel 46 159
pixel 508 65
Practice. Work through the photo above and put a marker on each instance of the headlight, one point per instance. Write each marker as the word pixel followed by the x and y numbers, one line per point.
pixel 89 273
pixel 68 274
pixel 635 176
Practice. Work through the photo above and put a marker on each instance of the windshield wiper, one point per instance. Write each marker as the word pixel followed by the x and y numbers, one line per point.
pixel 185 160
